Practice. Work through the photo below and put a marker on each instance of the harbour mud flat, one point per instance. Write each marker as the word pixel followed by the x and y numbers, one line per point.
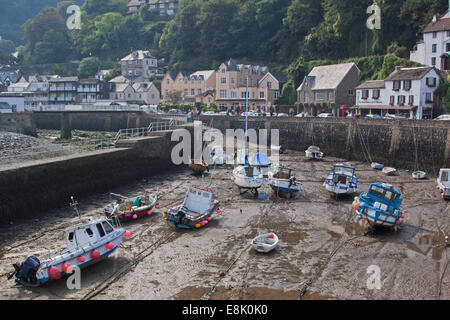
pixel 324 253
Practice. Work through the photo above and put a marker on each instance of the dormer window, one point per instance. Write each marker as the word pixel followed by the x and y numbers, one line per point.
pixel 431 82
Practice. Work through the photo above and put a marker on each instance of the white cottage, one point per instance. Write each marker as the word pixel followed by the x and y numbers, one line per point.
pixel 434 50
pixel 406 91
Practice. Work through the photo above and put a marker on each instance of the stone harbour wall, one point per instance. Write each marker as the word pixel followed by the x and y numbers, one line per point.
pixel 28 189
pixel 391 142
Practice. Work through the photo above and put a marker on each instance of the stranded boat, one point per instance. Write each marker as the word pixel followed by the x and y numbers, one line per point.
pixel 443 183
pixel 377 166
pixel 198 166
pixel 380 206
pixel 389 171
pixel 132 208
pixel 265 243
pixel 196 210
pixel 342 181
pixel 419 175
pixel 282 180
pixel 314 152
pixel 87 243
pixel 248 178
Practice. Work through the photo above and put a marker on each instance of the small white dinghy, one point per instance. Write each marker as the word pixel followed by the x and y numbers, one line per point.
pixel 265 243
pixel 314 152
pixel 419 175
pixel 389 171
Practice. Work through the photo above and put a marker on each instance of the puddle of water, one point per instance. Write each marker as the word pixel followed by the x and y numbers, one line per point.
pixel 434 242
pixel 312 295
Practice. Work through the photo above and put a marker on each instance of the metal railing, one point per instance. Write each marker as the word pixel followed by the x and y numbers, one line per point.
pixel 153 127
pixel 83 145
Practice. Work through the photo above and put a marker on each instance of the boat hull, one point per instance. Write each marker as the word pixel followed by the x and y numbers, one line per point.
pixel 264 244
pixel 284 186
pixel 73 257
pixel 198 168
pixel 341 189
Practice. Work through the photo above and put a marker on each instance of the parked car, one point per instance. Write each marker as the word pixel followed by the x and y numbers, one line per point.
pixel 209 113
pixel 303 115
pixel 373 116
pixel 223 113
pixel 444 117
pixel 394 116
pixel 325 115
pixel 175 111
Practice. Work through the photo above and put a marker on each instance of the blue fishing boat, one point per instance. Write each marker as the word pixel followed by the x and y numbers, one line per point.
pixel 342 181
pixel 380 206
pixel 377 166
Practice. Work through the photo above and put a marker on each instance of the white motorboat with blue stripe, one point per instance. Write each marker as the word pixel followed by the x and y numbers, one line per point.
pixel 342 181
pixel 282 180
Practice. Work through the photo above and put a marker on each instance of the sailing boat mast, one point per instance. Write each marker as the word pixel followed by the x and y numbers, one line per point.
pixel 244 134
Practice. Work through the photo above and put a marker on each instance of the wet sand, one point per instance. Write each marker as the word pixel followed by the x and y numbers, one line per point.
pixel 323 253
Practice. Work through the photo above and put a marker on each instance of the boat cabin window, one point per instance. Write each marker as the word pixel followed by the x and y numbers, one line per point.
pixel 89 232
pixel 108 228
pixel 444 176
pixel 71 235
pixel 101 232
pixel 342 179
pixel 249 171
pixel 383 194
pixel 206 195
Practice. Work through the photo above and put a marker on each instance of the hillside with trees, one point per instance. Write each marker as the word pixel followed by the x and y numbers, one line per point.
pixel 289 36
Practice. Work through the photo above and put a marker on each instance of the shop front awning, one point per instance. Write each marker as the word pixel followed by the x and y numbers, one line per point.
pixel 408 108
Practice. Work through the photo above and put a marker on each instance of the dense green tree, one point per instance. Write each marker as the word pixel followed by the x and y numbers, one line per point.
pixel 47 38
pixel 88 67
pixel 288 93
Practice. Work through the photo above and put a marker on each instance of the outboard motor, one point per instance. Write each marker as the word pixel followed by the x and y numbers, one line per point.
pixel 26 272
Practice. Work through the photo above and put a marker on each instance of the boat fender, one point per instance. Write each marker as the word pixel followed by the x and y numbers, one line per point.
pixel 218 211
pixel 164 216
pixel 135 216
pixel 95 254
pixel 149 213
pixel 128 234
pixel 209 218
pixel 67 268
pixel 54 273
pixel 110 246
pixel 81 259
pixel 197 225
